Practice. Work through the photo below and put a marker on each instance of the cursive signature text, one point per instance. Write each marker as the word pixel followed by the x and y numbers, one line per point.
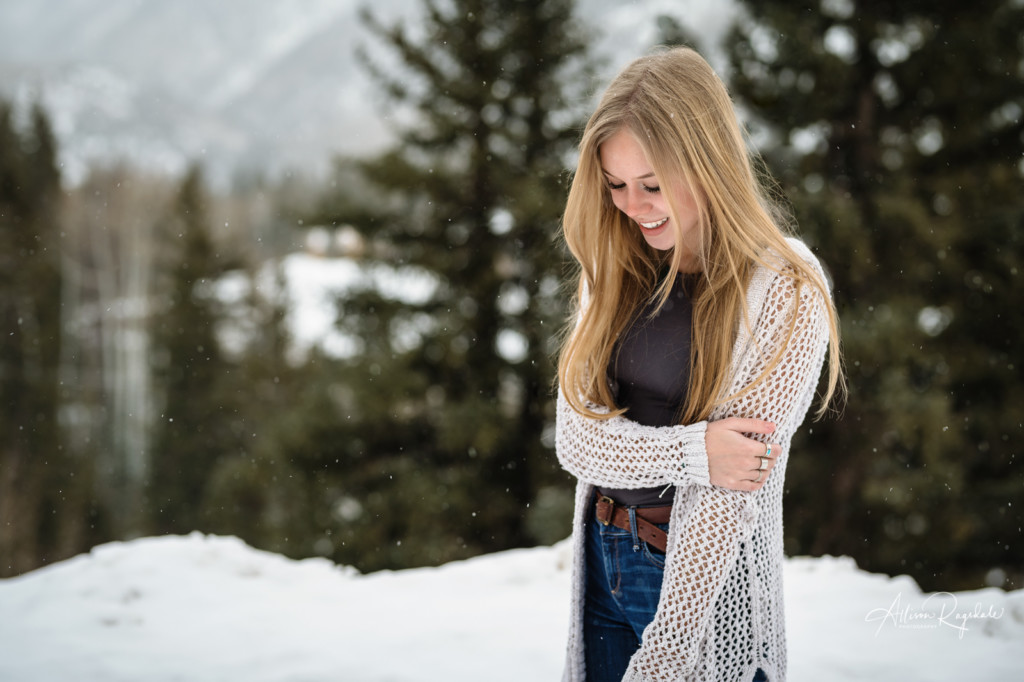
pixel 938 610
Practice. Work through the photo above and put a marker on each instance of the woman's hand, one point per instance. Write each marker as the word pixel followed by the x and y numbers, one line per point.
pixel 735 461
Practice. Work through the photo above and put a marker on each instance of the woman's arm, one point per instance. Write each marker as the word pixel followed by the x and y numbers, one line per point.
pixel 619 453
pixel 710 524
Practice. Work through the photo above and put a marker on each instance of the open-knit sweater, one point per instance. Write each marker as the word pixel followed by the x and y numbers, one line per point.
pixel 720 615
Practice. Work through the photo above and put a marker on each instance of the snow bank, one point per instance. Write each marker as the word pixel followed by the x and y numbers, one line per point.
pixel 201 608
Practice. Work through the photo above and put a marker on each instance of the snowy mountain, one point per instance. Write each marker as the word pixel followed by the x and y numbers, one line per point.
pixel 236 84
pixel 206 608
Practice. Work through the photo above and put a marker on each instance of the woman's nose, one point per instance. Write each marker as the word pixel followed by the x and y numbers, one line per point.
pixel 636 202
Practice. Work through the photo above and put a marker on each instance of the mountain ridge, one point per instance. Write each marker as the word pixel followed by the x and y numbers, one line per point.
pixel 237 85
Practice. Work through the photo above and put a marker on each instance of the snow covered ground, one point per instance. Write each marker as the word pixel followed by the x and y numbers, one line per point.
pixel 205 608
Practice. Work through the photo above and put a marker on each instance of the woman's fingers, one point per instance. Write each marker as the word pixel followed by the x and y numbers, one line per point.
pixel 764 461
pixel 757 474
pixel 736 461
pixel 745 425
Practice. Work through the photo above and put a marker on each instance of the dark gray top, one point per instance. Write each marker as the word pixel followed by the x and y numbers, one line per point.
pixel 650 373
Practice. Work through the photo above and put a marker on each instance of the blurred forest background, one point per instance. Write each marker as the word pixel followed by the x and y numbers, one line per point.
pixel 150 382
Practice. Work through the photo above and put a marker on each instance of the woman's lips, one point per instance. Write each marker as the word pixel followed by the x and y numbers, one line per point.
pixel 653 225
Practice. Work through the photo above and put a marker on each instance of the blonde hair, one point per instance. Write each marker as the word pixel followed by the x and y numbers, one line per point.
pixel 680 113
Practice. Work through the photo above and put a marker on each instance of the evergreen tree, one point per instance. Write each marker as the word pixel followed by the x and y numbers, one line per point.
pixel 452 384
pixel 192 431
pixel 256 493
pixel 34 472
pixel 897 134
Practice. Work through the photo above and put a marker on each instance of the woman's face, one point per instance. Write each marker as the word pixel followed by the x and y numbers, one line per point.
pixel 639 194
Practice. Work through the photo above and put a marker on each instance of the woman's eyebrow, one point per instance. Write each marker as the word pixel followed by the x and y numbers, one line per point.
pixel 642 177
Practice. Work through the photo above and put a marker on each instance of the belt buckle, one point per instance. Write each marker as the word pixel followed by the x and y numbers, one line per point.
pixel 611 510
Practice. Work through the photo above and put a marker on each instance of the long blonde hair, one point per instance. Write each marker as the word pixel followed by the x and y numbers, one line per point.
pixel 681 115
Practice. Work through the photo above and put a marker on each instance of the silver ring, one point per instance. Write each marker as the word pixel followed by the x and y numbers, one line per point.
pixel 759 477
pixel 767 450
pixel 764 464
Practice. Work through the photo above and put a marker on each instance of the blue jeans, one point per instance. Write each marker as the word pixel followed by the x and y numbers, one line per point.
pixel 623 586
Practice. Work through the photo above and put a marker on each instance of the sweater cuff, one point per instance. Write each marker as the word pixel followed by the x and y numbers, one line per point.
pixel 695 454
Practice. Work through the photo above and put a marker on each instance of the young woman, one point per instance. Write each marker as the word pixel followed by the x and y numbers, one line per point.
pixel 696 347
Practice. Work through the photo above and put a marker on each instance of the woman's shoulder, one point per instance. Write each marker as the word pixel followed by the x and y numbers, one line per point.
pixel 805 254
pixel 787 263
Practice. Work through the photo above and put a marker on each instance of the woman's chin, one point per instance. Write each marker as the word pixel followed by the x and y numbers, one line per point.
pixel 660 238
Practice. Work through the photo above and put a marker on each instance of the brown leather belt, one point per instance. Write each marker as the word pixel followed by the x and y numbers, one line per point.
pixel 608 513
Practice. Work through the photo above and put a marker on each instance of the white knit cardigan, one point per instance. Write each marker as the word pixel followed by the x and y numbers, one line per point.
pixel 720 616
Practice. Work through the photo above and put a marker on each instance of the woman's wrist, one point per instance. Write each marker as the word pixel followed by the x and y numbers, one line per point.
pixel 695 455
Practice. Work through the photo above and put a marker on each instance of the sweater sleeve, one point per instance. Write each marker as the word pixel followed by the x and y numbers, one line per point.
pixel 709 525
pixel 619 453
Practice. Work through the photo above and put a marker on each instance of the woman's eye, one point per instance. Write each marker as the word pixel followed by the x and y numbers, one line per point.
pixel 621 185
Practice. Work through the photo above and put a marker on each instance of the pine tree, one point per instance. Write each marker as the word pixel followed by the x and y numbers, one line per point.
pixel 191 433
pixel 453 382
pixel 257 492
pixel 898 136
pixel 33 466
